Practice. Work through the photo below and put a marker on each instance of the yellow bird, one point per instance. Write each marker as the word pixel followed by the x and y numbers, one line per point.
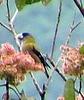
pixel 27 43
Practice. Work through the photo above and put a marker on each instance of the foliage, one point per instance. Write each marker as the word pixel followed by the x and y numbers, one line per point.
pixel 22 3
pixel 81 49
pixel 69 92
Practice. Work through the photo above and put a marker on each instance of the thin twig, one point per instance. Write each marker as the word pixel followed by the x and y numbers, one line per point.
pixel 14 16
pixel 18 95
pixel 17 90
pixel 80 87
pixel 71 30
pixel 56 31
pixel 9 20
pixel 80 83
pixel 56 69
pixel 5 26
pixel 79 7
pixel 8 10
pixel 62 76
pixel 50 77
pixel 2 85
pixel 36 84
pixel 79 93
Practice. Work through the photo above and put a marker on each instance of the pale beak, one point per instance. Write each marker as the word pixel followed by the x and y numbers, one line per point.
pixel 20 37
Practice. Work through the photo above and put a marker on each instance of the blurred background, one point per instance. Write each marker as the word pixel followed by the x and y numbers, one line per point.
pixel 40 21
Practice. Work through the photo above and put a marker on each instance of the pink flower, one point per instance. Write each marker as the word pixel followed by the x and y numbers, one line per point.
pixel 72 60
pixel 7 49
pixel 15 64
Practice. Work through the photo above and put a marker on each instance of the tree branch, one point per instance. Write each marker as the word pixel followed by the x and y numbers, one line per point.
pixel 79 7
pixel 56 31
pixel 8 10
pixel 5 26
pixel 36 84
pixel 15 92
pixel 72 28
pixel 14 16
pixel 2 85
pixel 54 68
pixel 7 89
pixel 80 83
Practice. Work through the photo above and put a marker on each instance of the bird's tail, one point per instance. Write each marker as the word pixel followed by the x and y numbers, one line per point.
pixel 43 61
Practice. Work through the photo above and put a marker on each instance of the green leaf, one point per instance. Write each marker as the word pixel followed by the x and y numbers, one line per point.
pixel 32 1
pixel 45 2
pixel 81 50
pixel 20 4
pixel 69 92
pixel 24 97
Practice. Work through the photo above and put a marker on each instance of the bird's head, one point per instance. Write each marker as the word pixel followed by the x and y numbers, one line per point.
pixel 22 36
pixel 26 40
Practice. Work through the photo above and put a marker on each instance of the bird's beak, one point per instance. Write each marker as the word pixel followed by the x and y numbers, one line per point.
pixel 19 37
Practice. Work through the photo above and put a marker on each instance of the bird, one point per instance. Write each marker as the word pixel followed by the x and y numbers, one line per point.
pixel 28 44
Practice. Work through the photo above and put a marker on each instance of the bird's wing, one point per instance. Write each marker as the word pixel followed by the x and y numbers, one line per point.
pixel 42 60
pixel 41 57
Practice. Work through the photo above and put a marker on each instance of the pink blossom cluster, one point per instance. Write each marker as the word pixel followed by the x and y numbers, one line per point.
pixel 73 61
pixel 15 65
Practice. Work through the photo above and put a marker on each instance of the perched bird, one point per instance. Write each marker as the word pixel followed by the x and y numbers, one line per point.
pixel 27 43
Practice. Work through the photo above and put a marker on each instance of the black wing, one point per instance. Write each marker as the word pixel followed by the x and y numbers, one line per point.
pixel 45 64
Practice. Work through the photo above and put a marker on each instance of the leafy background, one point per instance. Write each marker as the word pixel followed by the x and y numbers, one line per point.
pixel 40 21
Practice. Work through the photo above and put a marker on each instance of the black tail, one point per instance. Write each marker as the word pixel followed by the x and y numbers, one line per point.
pixel 45 64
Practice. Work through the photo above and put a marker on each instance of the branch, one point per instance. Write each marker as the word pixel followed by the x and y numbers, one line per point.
pixel 10 21
pixel 36 84
pixel 72 28
pixel 2 85
pixel 80 83
pixel 15 92
pixel 14 16
pixel 79 7
pixel 79 93
pixel 5 26
pixel 8 10
pixel 7 89
pixel 54 68
pixel 56 31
